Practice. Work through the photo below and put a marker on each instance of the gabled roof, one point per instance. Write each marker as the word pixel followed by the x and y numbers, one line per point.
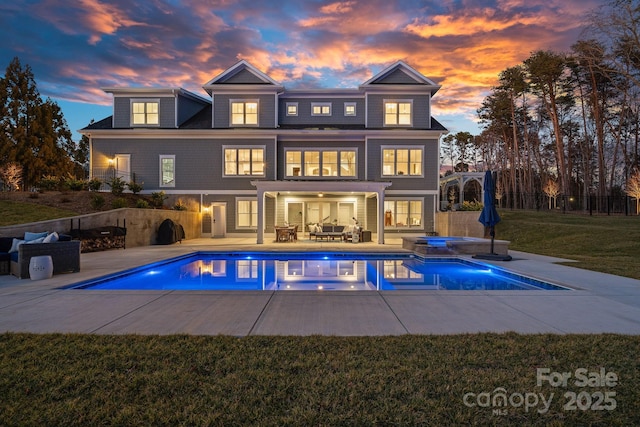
pixel 399 74
pixel 241 74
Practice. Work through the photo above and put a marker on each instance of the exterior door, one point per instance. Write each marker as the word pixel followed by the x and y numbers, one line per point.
pixel 123 167
pixel 218 220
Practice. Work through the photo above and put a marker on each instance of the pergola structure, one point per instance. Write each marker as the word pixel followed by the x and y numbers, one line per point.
pixel 459 180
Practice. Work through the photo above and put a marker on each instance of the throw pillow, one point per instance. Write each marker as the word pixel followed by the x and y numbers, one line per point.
pixel 15 245
pixel 28 236
pixel 51 238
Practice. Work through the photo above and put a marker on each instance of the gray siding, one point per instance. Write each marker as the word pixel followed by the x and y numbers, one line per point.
pixel 222 116
pixel 199 163
pixel 421 111
pixel 187 107
pixel 397 77
pixel 429 181
pixel 243 77
pixel 336 118
pixel 122 111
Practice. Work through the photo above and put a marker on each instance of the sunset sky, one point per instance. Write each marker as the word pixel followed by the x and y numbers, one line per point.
pixel 77 47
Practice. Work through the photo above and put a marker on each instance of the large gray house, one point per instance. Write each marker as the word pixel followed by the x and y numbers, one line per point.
pixel 253 154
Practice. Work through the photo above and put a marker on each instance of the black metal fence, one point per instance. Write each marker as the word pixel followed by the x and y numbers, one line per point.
pixel 592 205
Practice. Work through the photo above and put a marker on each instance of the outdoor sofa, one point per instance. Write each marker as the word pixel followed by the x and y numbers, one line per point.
pixel 16 253
pixel 326 231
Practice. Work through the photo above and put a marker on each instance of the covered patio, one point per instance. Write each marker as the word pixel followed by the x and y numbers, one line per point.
pixel 316 191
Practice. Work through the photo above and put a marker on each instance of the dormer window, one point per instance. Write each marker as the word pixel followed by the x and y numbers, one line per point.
pixel 145 112
pixel 397 113
pixel 244 113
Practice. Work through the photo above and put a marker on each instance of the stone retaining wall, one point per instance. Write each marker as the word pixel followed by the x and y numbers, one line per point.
pixel 142 224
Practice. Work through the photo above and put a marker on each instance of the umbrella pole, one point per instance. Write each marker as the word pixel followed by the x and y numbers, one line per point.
pixel 493 235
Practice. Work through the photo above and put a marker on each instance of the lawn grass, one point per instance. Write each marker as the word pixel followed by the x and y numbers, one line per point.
pixel 12 213
pixel 610 244
pixel 405 380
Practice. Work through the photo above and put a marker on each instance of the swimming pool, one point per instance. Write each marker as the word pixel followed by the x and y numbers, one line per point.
pixel 313 271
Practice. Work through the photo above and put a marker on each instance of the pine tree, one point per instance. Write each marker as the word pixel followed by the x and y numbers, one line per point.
pixel 35 134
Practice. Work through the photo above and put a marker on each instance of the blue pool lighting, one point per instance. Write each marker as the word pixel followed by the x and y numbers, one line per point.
pixel 315 271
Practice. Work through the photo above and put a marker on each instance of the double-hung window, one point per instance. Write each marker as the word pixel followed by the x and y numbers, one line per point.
pixel 243 161
pixel 246 213
pixel 145 112
pixel 244 112
pixel 397 113
pixel 167 170
pixel 321 163
pixel 406 161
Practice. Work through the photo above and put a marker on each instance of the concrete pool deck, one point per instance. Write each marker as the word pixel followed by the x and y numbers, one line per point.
pixel 601 303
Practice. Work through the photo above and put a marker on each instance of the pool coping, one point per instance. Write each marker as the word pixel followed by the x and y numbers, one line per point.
pixel 600 303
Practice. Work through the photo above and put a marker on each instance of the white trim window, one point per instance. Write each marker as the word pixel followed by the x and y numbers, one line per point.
pixel 405 161
pixel 349 108
pixel 167 170
pixel 398 112
pixel 145 112
pixel 292 108
pixel 320 108
pixel 403 213
pixel 244 112
pixel 321 163
pixel 246 212
pixel 247 269
pixel 243 161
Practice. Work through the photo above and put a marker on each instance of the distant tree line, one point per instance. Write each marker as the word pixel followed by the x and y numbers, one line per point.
pixel 35 140
pixel 572 118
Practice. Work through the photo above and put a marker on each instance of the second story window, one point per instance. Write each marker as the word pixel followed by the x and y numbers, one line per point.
pixel 244 161
pixel 397 113
pixel 402 161
pixel 244 113
pixel 321 109
pixel 145 112
pixel 321 163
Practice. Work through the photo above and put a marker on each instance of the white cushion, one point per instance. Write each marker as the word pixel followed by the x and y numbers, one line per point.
pixel 38 240
pixel 15 245
pixel 51 238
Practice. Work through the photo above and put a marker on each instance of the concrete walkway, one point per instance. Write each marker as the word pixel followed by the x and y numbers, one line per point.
pixel 601 303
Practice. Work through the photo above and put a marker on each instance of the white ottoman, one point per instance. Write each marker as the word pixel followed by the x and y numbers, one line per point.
pixel 40 267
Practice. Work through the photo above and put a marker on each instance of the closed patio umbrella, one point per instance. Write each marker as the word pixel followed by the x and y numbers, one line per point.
pixel 489 217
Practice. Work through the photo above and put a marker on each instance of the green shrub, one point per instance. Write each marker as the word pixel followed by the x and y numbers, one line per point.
pixel 157 199
pixel 135 187
pixel 75 184
pixel 119 203
pixel 117 185
pixel 49 183
pixel 94 184
pixel 471 206
pixel 142 204
pixel 97 201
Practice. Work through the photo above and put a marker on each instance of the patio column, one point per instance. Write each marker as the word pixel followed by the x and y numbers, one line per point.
pixel 260 238
pixel 380 230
